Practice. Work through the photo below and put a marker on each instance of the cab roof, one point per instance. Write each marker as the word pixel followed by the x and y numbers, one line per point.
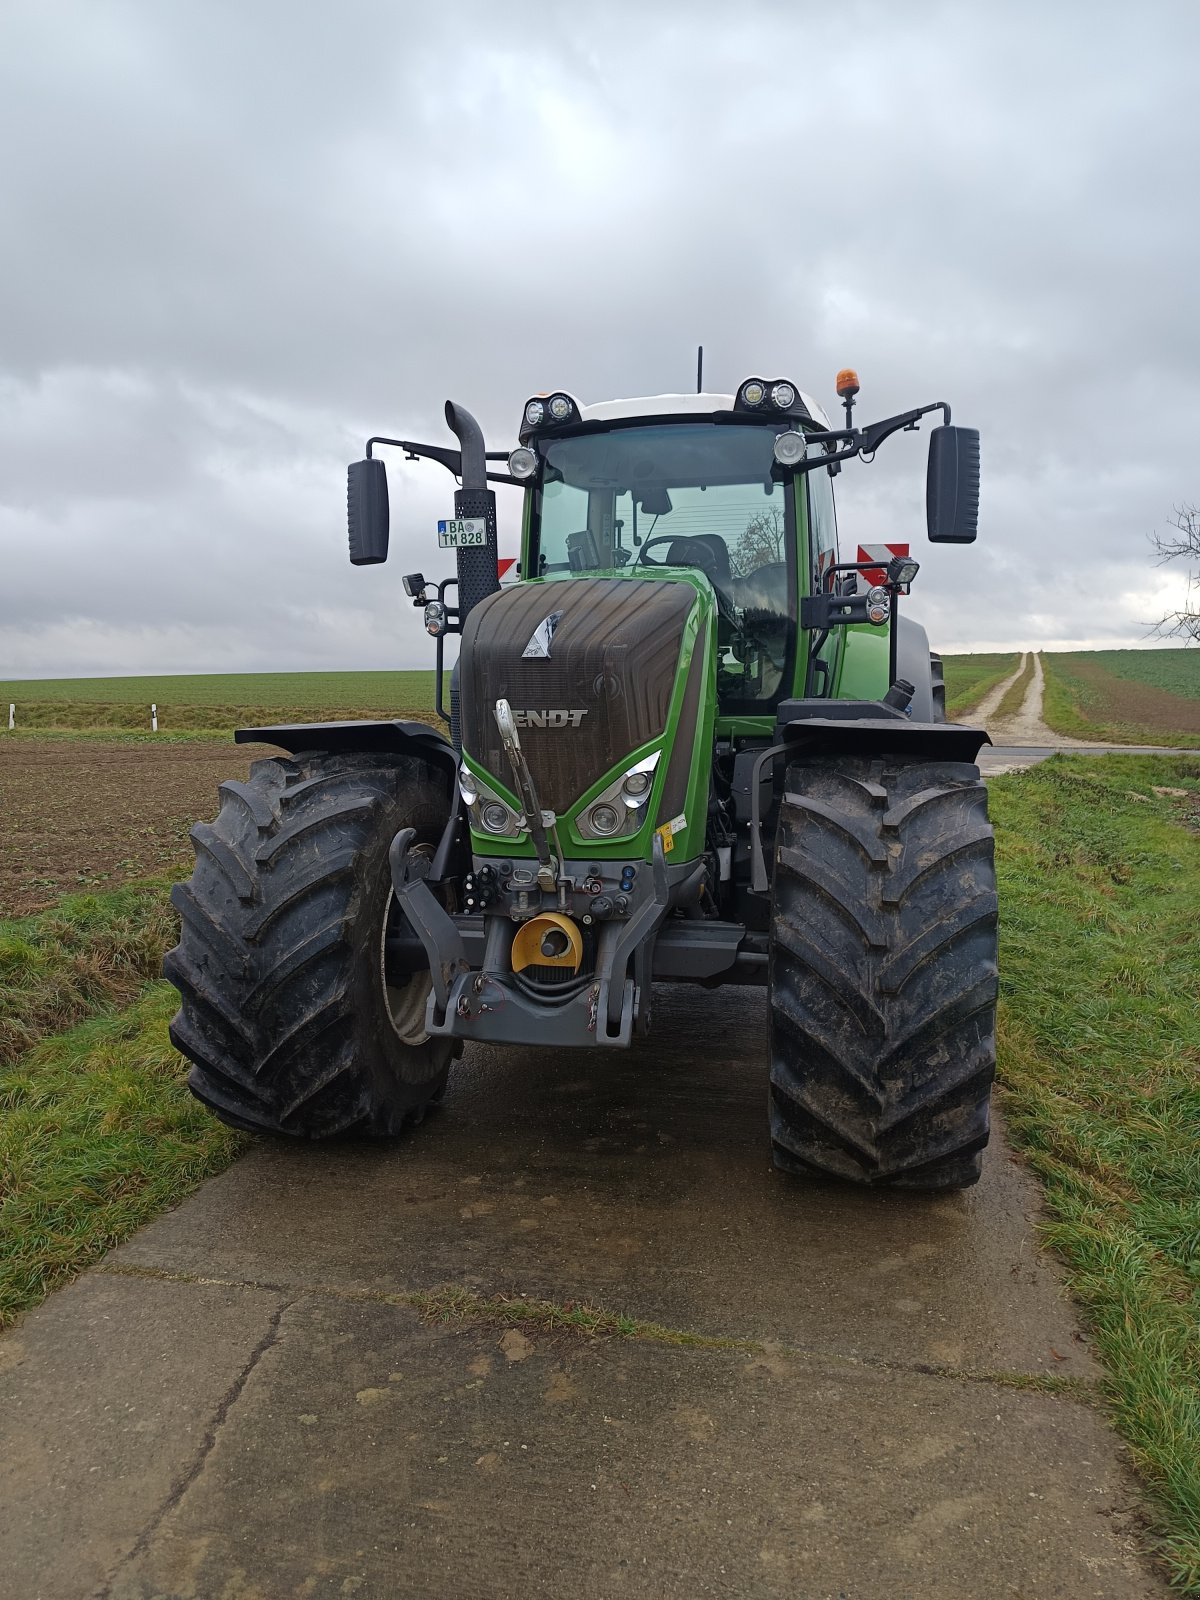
pixel 682 405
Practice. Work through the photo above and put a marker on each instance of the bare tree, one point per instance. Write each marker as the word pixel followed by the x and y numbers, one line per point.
pixel 1182 545
pixel 760 544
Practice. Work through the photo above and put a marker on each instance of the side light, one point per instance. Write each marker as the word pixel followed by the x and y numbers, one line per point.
pixel 783 395
pixel 535 411
pixel 467 786
pixel 790 448
pixel 879 606
pixel 522 463
pixel 435 618
pixel 636 785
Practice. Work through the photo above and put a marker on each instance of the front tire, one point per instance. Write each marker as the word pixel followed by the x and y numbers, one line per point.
pixel 883 972
pixel 286 1012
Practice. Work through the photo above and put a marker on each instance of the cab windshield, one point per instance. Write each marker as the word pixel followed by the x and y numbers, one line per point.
pixel 701 495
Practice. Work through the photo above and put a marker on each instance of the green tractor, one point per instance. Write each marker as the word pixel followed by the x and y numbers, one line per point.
pixel 690 745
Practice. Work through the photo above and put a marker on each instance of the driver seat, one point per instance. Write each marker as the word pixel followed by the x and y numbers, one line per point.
pixel 712 557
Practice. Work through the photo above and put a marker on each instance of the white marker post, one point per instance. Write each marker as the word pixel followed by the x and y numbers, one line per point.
pixel 12 716
pixel 153 719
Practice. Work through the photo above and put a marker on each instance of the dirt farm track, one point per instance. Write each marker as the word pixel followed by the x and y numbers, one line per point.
pixel 88 814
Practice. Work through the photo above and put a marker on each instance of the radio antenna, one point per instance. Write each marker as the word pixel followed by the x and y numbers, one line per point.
pixel 699 369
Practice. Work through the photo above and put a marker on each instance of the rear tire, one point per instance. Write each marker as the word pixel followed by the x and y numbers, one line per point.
pixel 284 1012
pixel 883 972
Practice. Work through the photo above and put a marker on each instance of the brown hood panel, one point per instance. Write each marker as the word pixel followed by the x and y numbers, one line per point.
pixel 614 656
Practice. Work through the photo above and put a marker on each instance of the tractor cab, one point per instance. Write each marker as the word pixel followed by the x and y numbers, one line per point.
pixel 653 487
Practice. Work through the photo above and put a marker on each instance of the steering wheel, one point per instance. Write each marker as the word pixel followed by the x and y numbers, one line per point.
pixel 706 562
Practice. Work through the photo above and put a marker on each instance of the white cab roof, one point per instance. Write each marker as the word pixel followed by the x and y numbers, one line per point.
pixel 680 405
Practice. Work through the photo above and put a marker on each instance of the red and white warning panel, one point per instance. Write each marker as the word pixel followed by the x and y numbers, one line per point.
pixel 878 552
pixel 506 567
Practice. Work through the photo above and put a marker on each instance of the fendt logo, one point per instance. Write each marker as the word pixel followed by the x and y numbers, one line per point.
pixel 549 719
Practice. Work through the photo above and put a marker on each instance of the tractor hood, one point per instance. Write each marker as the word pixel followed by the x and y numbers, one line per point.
pixel 587 664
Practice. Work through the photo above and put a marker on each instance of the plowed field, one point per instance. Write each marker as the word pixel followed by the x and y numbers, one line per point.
pixel 90 814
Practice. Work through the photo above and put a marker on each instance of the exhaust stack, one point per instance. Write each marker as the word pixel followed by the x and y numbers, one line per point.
pixel 477 571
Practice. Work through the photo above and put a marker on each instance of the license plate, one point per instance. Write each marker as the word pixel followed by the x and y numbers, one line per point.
pixel 462 533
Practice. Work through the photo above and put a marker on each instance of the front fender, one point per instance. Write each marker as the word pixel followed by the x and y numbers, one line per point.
pixel 345 738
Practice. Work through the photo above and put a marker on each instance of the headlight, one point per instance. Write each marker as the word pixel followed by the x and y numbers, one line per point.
pixel 879 606
pixel 534 412
pixel 495 817
pixel 467 786
pixel 636 786
pixel 620 809
pixel 604 819
pixel 784 396
pixel 560 408
pixel 753 393
pixel 522 463
pixel 790 448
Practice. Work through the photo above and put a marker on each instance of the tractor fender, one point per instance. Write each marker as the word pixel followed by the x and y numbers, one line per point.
pixel 912 662
pixel 358 738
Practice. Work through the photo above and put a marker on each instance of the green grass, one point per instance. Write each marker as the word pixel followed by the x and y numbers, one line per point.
pixel 97 1135
pixel 1100 1066
pixel 968 678
pixel 91 952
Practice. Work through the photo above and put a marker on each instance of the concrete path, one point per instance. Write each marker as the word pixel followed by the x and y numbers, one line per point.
pixel 244 1401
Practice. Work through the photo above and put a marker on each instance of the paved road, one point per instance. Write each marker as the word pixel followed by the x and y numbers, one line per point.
pixel 998 758
pixel 242 1403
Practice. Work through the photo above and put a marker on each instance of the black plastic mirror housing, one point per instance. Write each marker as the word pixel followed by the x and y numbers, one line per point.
pixel 952 486
pixel 367 512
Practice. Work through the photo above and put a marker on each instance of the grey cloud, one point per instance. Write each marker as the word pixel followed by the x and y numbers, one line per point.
pixel 240 237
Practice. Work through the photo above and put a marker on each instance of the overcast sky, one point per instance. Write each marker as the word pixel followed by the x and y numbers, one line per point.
pixel 239 237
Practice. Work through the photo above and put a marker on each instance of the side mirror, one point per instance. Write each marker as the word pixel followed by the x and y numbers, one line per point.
pixel 952 487
pixel 367 512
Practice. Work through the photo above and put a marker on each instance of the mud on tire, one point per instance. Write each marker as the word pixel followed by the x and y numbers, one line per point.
pixel 284 1011
pixel 883 972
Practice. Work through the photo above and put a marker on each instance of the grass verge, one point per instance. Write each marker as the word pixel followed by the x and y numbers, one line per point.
pixel 1100 1071
pixel 90 953
pixel 969 678
pixel 97 1135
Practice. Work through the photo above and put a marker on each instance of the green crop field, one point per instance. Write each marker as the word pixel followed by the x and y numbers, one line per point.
pixel 214 701
pixel 313 689
pixel 1125 696
pixel 1176 671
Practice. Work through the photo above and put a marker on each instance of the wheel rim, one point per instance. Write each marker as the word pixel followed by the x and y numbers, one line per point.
pixel 405 1003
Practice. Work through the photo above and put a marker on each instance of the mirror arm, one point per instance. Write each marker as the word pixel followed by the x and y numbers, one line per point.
pixel 865 441
pixel 450 459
